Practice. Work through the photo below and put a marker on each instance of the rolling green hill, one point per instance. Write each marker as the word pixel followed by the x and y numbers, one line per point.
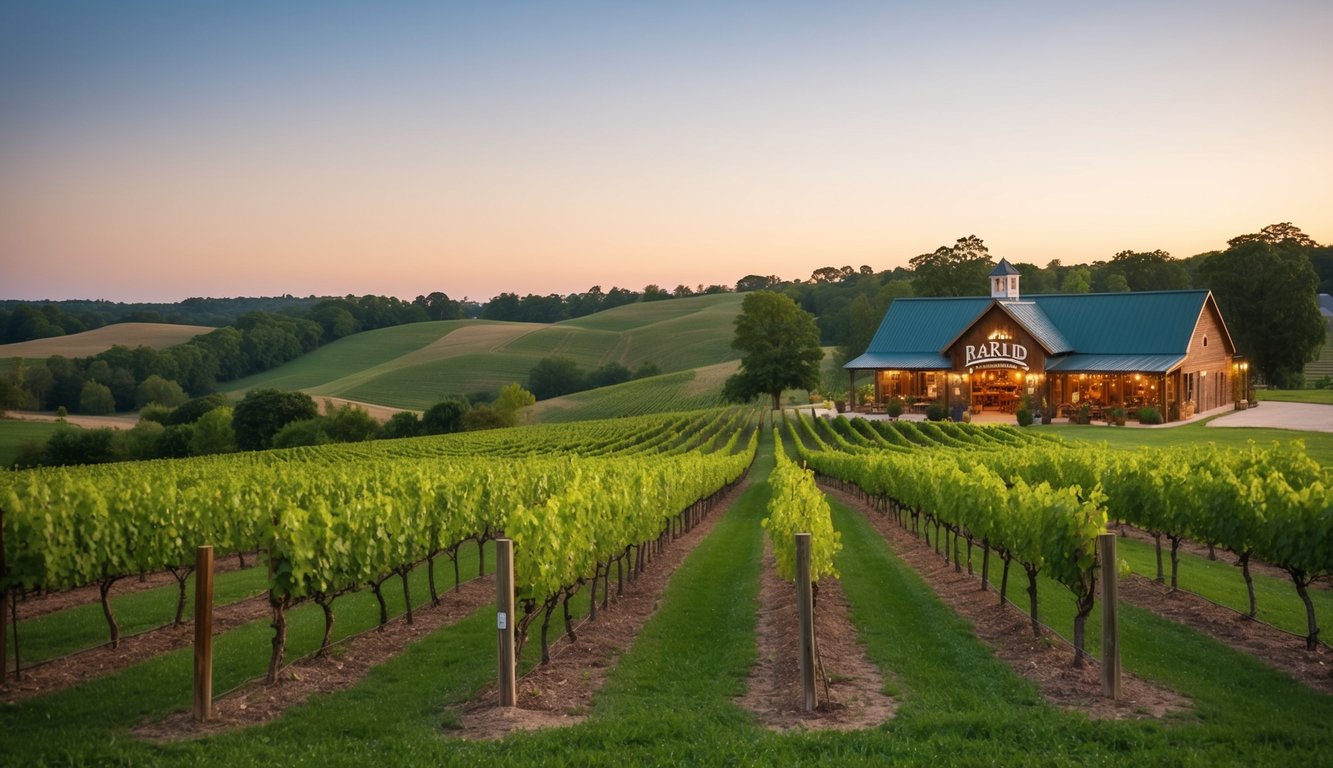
pixel 413 366
pixel 679 391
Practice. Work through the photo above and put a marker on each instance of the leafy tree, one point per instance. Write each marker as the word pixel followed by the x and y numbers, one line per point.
pixel 141 442
pixel 555 376
pixel 189 412
pixel 1150 271
pixel 439 306
pixel 1285 233
pixel 1116 283
pixel 70 446
pixel 484 417
pixel 303 432
pixel 511 400
pixel 402 424
pixel 654 293
pixel 607 375
pixel 96 400
pixel 1266 291
pixel 156 389
pixel 757 283
pixel 445 417
pixel 263 412
pixel 779 346
pixel 645 370
pixel 350 424
pixel 862 322
pixel 1077 280
pixel 213 433
pixel 961 269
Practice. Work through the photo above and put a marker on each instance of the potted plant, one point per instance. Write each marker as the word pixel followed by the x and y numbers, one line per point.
pixel 1187 410
pixel 1084 414
pixel 1046 414
pixel 1116 416
pixel 894 408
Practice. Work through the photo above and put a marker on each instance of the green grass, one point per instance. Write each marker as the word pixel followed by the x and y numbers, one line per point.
pixel 348 356
pixel 1318 444
pixel 1220 581
pixel 1319 396
pixel 681 391
pixel 14 434
pixel 84 626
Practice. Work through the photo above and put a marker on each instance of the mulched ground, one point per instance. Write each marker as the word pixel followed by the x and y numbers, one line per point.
pixel 34 605
pixel 1046 660
pixel 854 697
pixel 1270 645
pixel 59 674
pixel 347 664
pixel 560 693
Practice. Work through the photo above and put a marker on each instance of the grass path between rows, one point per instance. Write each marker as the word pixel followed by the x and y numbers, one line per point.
pixel 1246 713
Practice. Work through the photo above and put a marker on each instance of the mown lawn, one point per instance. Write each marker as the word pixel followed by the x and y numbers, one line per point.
pixel 1320 396
pixel 1318 444
pixel 670 699
pixel 14 434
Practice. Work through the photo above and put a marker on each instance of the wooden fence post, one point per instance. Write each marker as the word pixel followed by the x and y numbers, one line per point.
pixel 805 609
pixel 203 633
pixel 504 620
pixel 1110 629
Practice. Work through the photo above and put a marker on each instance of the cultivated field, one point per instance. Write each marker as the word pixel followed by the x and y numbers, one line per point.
pixel 155 335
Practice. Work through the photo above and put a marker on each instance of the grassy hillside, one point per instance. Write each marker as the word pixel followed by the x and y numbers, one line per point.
pixel 155 335
pixel 14 434
pixel 413 366
pixel 680 391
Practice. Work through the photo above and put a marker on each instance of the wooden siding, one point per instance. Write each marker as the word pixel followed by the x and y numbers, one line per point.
pixel 1209 353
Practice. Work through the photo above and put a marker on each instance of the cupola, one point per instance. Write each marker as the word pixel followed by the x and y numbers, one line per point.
pixel 1004 281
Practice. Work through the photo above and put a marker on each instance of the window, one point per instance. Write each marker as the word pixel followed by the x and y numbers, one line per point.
pixel 1205 341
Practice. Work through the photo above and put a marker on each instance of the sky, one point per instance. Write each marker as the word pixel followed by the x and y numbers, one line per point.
pixel 153 151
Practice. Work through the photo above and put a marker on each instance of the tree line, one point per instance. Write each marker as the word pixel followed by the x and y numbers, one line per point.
pixel 264 419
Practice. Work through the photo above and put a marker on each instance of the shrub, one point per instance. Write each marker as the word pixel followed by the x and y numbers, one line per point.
pixel 936 412
pixel 96 400
pixel 895 408
pixel 1149 415
pixel 402 424
pixel 1024 417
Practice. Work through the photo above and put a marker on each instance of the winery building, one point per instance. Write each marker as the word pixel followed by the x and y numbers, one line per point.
pixel 1067 354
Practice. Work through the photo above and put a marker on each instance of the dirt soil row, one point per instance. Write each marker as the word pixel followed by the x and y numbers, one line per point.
pixel 347 664
pixel 1270 645
pixel 853 684
pixel 1046 660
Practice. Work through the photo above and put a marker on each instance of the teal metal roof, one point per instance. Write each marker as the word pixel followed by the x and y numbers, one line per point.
pixel 1113 363
pixel 926 325
pixel 1147 323
pixel 901 361
pixel 1144 331
pixel 1035 322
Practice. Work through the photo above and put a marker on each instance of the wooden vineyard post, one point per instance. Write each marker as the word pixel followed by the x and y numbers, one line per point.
pixel 805 609
pixel 504 620
pixel 1110 630
pixel 4 607
pixel 203 633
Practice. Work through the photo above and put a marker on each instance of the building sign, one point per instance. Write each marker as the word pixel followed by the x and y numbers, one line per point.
pixel 996 354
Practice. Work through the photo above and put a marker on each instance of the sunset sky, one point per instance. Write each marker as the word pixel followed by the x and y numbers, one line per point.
pixel 152 151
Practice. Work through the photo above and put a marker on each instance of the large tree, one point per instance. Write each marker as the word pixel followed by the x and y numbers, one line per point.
pixel 262 413
pixel 961 269
pixel 779 345
pixel 1266 291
